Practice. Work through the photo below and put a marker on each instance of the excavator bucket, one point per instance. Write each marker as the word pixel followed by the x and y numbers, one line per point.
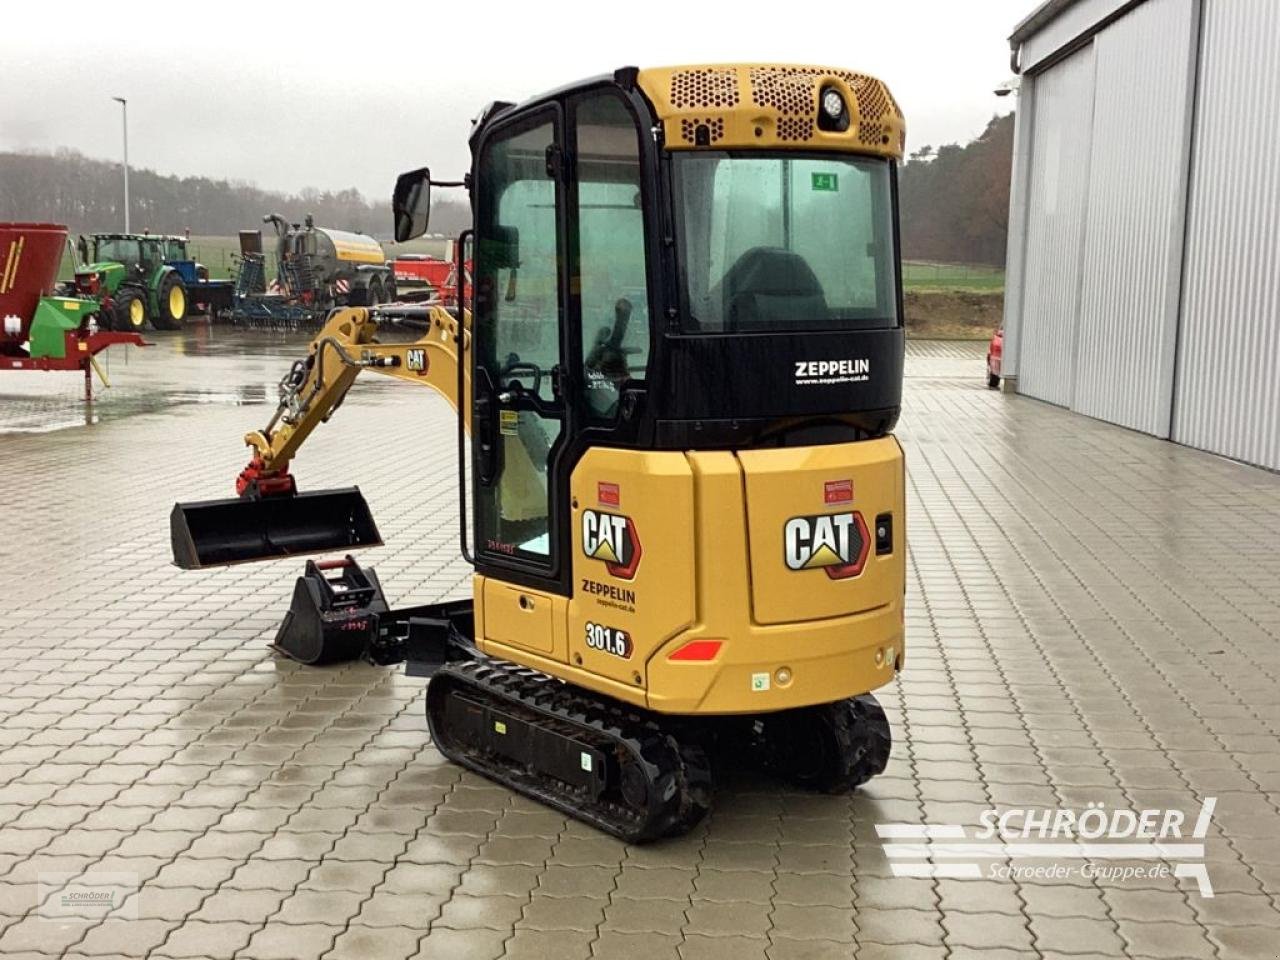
pixel 214 533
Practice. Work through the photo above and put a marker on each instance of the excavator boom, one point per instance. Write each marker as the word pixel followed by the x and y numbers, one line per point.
pixel 269 518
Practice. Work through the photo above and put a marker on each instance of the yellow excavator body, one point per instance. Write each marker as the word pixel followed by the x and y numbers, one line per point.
pixel 676 383
pixel 712 619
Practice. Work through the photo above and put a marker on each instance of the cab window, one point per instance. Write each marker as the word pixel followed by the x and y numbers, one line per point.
pixel 611 280
pixel 517 296
pixel 120 250
pixel 774 242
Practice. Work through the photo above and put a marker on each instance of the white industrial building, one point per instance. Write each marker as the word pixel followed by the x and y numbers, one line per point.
pixel 1143 274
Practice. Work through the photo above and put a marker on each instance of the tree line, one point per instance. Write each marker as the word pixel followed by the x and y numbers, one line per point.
pixel 954 199
pixel 88 195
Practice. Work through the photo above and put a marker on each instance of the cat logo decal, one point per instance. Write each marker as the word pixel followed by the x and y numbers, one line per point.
pixel 611 538
pixel 837 543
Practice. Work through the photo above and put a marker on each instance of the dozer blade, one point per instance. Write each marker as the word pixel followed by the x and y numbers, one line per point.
pixel 215 533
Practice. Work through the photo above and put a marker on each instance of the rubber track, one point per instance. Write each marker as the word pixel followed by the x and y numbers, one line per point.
pixel 856 735
pixel 862 735
pixel 678 780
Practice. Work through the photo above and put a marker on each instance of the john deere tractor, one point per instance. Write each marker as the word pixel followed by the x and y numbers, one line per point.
pixel 132 276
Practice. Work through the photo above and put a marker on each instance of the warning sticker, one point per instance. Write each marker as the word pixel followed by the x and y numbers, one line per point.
pixel 837 491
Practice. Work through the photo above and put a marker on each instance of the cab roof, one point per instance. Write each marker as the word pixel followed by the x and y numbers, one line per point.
pixel 749 106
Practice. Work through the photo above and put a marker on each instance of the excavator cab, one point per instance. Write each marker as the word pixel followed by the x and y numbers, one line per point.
pixel 654 292
pixel 680 377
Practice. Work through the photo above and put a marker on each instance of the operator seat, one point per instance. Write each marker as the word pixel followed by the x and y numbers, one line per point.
pixel 768 287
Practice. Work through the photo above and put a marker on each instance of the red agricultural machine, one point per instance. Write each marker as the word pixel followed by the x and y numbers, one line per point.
pixel 38 329
pixel 419 276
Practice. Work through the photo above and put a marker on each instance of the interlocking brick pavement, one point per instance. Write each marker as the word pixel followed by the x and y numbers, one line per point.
pixel 1093 616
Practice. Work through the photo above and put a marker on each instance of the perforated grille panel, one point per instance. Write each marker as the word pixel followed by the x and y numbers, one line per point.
pixel 755 106
pixel 789 90
pixel 689 128
pixel 873 98
pixel 704 87
pixel 793 91
pixel 795 128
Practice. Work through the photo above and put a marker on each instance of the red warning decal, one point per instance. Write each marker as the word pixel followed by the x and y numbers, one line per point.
pixel 609 494
pixel 838 491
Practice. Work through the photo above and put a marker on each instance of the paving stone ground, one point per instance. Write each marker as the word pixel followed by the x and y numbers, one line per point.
pixel 1093 617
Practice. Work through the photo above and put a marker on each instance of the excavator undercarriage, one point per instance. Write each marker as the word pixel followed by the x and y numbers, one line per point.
pixel 635 774
pixel 616 767
pixel 628 771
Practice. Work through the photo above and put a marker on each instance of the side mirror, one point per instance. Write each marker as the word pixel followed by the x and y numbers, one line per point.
pixel 411 204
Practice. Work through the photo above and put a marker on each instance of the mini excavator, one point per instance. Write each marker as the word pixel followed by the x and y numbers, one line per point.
pixel 681 493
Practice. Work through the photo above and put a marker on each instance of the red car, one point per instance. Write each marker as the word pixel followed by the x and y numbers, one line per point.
pixel 994 352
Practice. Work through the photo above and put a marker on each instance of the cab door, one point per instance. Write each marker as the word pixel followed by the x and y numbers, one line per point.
pixel 520 418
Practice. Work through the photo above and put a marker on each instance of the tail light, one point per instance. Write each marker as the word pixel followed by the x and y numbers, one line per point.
pixel 88 283
pixel 699 651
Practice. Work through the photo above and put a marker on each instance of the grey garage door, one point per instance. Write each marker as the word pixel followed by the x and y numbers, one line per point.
pixel 1063 116
pixel 1228 383
pixel 1103 256
pixel 1128 308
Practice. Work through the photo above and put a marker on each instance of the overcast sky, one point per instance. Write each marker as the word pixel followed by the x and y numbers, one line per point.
pixel 287 95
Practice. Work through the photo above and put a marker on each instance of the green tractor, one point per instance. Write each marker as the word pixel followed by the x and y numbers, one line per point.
pixel 133 277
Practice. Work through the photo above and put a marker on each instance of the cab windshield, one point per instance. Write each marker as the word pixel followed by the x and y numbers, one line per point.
pixel 124 250
pixel 785 242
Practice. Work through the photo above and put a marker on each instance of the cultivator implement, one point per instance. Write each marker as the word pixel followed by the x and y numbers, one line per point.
pixel 255 305
pixel 251 275
pixel 267 312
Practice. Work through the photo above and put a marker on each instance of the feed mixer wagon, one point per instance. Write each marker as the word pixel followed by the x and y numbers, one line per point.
pixel 40 330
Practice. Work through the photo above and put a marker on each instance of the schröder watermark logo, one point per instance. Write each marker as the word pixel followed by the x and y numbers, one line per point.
pixel 1094 843
pixel 88 896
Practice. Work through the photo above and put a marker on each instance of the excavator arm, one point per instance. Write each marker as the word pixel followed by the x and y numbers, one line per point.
pixel 269 518
pixel 316 386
